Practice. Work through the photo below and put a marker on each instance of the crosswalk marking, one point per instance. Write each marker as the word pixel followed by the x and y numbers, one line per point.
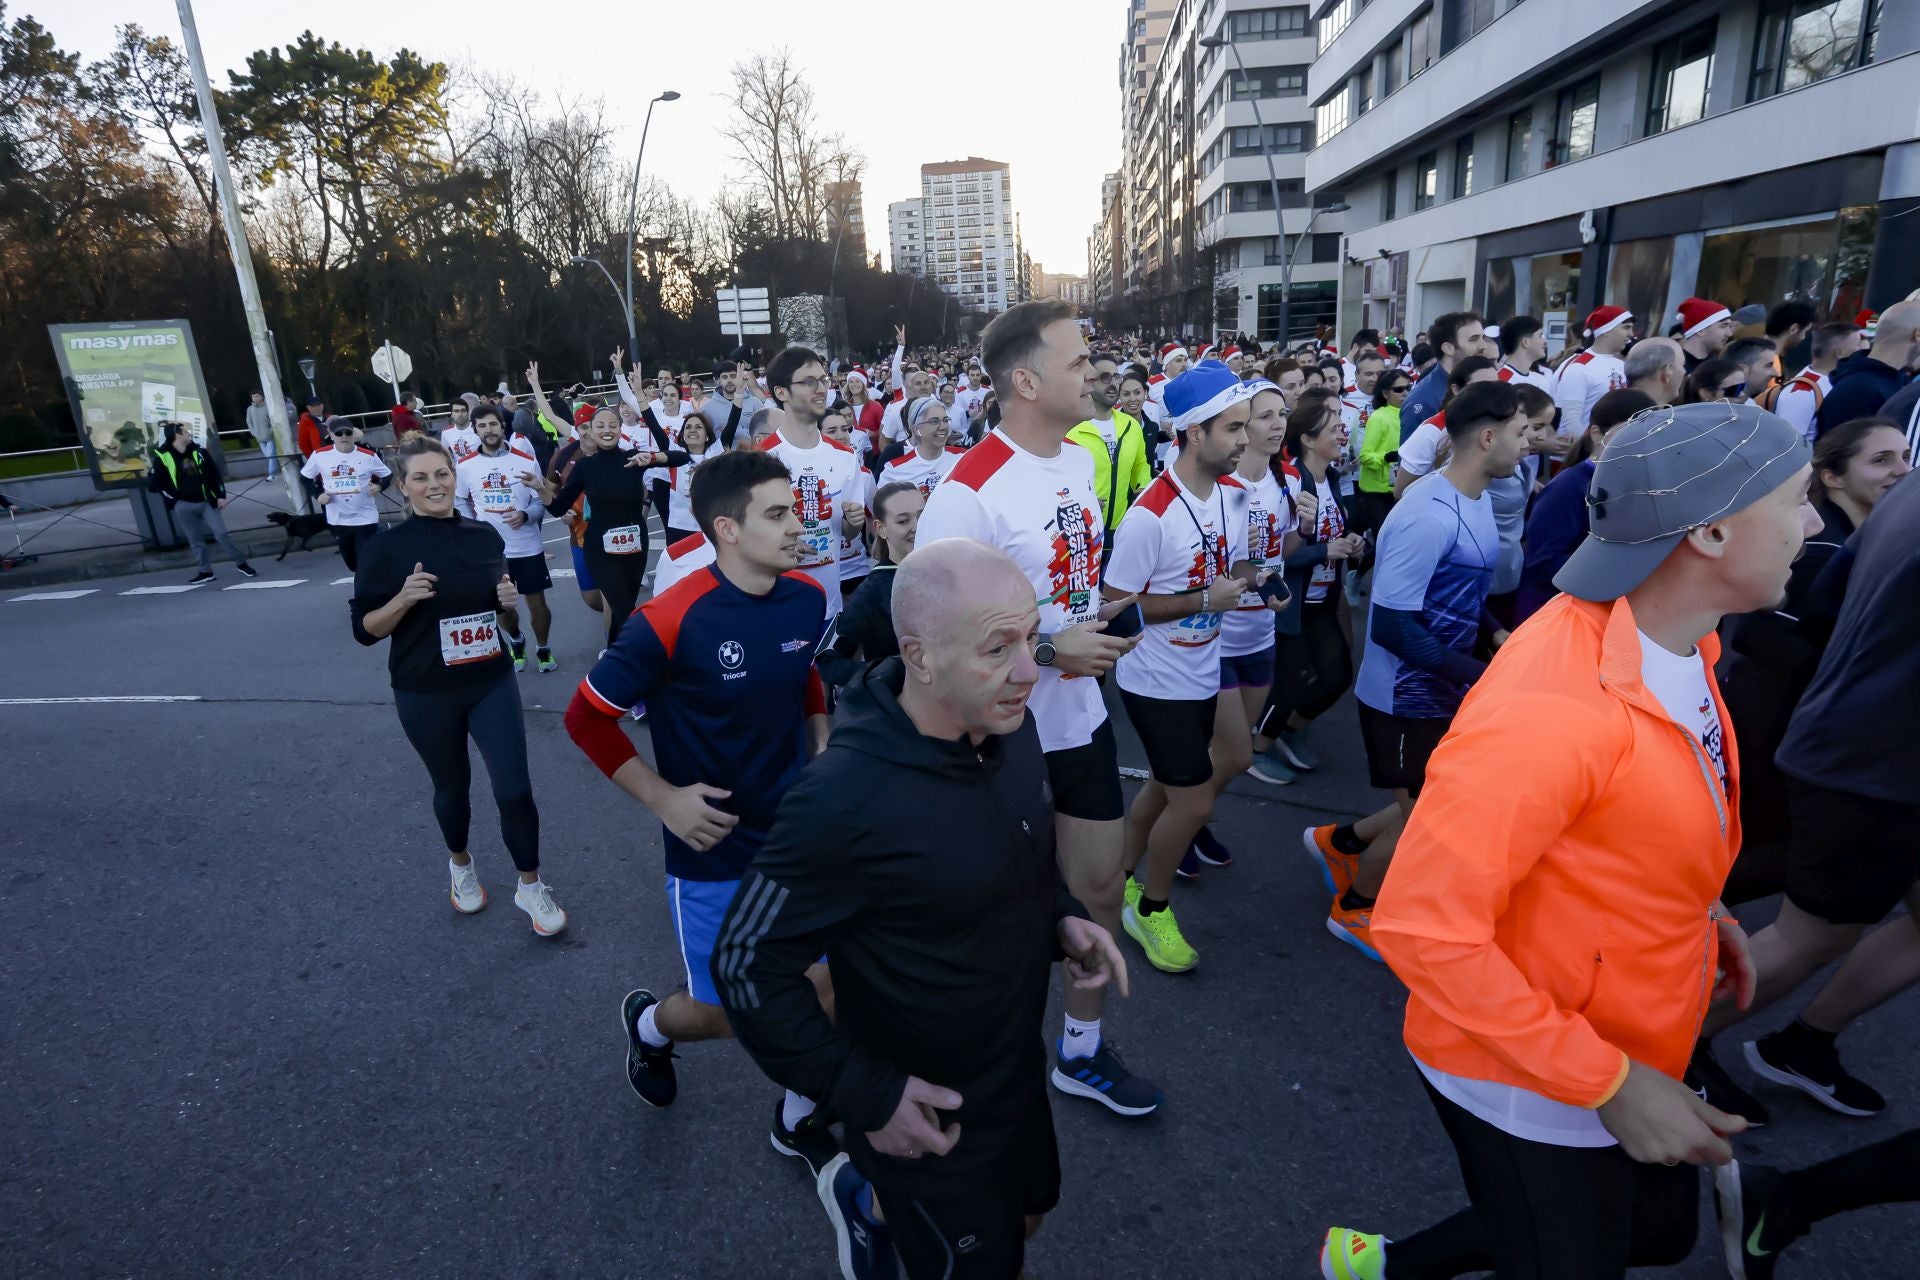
pixel 343 582
pixel 174 590
pixel 560 573
pixel 262 586
pixel 56 595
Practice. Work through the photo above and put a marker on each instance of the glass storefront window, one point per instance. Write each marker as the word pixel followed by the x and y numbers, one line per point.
pixel 1822 260
pixel 1314 303
pixel 1638 278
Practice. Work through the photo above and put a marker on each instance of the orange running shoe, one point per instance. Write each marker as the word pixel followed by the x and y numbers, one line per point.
pixel 1337 869
pixel 1353 927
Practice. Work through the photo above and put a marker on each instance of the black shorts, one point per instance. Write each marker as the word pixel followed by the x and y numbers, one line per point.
pixel 529 574
pixel 1851 858
pixel 1176 734
pixel 1086 779
pixel 1398 748
pixel 980 1230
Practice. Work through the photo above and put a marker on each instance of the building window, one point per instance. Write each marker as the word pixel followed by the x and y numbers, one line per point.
pixel 1281 139
pixel 1333 22
pixel 1330 117
pixel 1363 91
pixel 1519 143
pixel 1575 114
pixel 1423 42
pixel 1462 20
pixel 1267 24
pixel 1269 82
pixel 1809 40
pixel 1248 197
pixel 1426 180
pixel 1463 167
pixel 1682 76
pixel 1389 196
pixel 1393 69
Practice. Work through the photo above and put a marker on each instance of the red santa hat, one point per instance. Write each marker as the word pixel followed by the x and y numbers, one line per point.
pixel 1205 352
pixel 1229 351
pixel 1603 319
pixel 1697 313
pixel 1170 350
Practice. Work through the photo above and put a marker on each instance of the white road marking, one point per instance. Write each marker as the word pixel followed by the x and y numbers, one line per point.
pixel 45 702
pixel 343 582
pixel 263 586
pixel 56 595
pixel 559 573
pixel 164 591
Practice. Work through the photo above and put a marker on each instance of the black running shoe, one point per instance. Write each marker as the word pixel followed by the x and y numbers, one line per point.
pixel 1787 1059
pixel 247 570
pixel 1741 1195
pixel 1209 849
pixel 811 1140
pixel 865 1248
pixel 1706 1076
pixel 649 1070
pixel 1105 1079
pixel 205 575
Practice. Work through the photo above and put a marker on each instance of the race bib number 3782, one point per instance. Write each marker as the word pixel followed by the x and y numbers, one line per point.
pixel 473 638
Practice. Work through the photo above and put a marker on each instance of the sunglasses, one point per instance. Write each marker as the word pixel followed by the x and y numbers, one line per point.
pixel 1400 390
pixel 1733 391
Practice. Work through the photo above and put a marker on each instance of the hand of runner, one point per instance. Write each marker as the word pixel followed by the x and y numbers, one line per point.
pixel 618 353
pixel 1085 651
pixel 688 815
pixel 899 335
pixel 1345 547
pixel 1658 1120
pixel 854 518
pixel 1222 593
pixel 325 497
pixel 418 586
pixel 514 519
pixel 1307 508
pixel 1737 972
pixel 533 374
pixel 1092 957
pixel 915 1129
pixel 507 593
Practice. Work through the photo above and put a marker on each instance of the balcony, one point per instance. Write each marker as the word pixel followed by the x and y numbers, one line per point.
pixel 1371 28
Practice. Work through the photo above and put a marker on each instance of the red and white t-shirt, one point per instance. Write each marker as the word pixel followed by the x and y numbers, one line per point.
pixel 854 561
pixel 1249 628
pixel 490 489
pixel 1583 380
pixel 1541 376
pixel 821 476
pixel 1800 399
pixel 1330 523
pixel 348 480
pixel 680 559
pixel 922 473
pixel 1174 542
pixel 1045 514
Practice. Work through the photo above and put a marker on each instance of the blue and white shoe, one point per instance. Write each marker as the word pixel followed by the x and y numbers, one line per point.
pixel 866 1248
pixel 1292 744
pixel 1105 1079
pixel 1207 847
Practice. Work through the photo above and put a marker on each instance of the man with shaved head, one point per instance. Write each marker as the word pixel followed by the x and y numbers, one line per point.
pixel 917 853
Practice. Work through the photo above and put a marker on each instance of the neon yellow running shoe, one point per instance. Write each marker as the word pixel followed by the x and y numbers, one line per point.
pixel 1353 1255
pixel 1131 892
pixel 1159 936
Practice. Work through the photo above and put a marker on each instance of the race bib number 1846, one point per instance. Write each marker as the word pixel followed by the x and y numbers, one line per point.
pixel 473 638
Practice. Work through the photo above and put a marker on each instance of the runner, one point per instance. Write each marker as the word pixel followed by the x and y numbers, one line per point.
pixel 1024 491
pixel 434 585
pixel 697 439
pixel 1582 380
pixel 930 460
pixel 1560 936
pixel 1182 551
pixel 1763 1210
pixel 1435 564
pixel 863 633
pixel 1115 441
pixel 823 470
pixel 559 467
pixel 724 662
pixel 350 477
pixel 501 487
pixel 855 563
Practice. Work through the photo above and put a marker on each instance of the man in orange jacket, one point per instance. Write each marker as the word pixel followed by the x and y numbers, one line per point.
pixel 1553 906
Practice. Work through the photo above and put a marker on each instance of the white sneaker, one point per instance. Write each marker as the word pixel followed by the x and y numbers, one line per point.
pixel 537 901
pixel 468 894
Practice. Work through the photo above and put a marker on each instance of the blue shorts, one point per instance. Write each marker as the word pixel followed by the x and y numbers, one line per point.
pixel 580 574
pixel 698 907
pixel 1248 671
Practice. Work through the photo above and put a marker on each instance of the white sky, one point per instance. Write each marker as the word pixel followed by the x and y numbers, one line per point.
pixel 1030 82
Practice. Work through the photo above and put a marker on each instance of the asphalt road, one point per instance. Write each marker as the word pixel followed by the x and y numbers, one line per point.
pixel 245 1035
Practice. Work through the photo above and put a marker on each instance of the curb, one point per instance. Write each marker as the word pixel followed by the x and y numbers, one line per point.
pixel 133 560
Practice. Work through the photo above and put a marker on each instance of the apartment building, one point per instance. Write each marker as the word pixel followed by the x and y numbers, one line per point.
pixel 907 252
pixel 1539 157
pixel 847 219
pixel 1105 244
pixel 971 248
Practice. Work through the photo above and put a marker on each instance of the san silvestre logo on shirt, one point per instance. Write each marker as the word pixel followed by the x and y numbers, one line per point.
pixel 1076 550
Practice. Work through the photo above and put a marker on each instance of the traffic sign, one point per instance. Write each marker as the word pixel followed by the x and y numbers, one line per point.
pixel 749 327
pixel 391 364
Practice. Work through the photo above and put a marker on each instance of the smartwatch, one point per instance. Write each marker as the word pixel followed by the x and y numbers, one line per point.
pixel 1043 652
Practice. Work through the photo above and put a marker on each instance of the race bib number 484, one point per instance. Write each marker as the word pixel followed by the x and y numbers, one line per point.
pixel 473 638
pixel 624 541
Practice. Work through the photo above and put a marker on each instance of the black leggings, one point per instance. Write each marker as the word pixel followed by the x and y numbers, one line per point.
pixel 1311 670
pixel 620 579
pixel 1885 1173
pixel 1544 1212
pixel 351 538
pixel 438 725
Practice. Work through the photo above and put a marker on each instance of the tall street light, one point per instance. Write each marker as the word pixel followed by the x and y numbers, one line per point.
pixel 633 196
pixel 1279 211
pixel 616 294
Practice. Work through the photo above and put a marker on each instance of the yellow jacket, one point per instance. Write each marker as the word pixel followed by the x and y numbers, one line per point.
pixel 1120 476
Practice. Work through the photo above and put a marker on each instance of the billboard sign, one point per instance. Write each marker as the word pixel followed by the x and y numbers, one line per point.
pixel 123 379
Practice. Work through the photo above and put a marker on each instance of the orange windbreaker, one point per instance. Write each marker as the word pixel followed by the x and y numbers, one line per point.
pixel 1549 905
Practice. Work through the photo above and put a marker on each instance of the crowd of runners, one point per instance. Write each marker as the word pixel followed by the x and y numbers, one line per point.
pixel 1622 624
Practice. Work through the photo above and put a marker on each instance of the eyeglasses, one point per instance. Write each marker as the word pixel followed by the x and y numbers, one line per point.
pixel 809 384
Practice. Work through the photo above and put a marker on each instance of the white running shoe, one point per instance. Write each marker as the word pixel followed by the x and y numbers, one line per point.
pixel 468 894
pixel 537 901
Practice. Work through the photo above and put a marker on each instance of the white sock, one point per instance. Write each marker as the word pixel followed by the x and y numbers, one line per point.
pixel 457 868
pixel 1082 1039
pixel 650 1030
pixel 795 1109
pixel 530 884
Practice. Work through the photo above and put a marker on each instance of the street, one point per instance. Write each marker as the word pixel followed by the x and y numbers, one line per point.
pixel 245 1035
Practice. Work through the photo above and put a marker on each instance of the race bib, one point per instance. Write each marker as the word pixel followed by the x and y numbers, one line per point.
pixel 624 541
pixel 473 638
pixel 496 501
pixel 1195 632
pixel 343 485
pixel 816 546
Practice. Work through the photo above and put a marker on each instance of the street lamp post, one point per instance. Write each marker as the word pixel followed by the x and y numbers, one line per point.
pixel 611 284
pixel 1273 177
pixel 633 197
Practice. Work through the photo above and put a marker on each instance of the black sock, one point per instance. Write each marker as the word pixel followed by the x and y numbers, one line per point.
pixel 1354 900
pixel 1150 905
pixel 1347 840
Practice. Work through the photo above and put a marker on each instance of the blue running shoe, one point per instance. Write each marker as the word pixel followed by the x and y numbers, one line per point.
pixel 1105 1079
pixel 1190 864
pixel 1209 849
pixel 866 1249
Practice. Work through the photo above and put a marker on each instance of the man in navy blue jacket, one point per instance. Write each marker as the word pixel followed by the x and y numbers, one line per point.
pixel 1866 380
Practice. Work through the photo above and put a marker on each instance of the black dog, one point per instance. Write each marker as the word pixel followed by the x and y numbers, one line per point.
pixel 301 529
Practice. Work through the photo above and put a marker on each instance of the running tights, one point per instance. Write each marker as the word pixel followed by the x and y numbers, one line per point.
pixel 1885 1173
pixel 620 579
pixel 438 724
pixel 1543 1212
pixel 351 538
pixel 1311 670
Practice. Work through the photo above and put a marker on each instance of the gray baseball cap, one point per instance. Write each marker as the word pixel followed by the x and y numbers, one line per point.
pixel 1666 471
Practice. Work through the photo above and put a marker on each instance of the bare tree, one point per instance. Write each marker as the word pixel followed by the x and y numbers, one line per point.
pixel 776 133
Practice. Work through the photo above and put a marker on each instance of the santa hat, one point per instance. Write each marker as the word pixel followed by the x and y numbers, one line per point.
pixel 1602 319
pixel 857 376
pixel 1205 352
pixel 1229 352
pixel 1169 350
pixel 1698 313
pixel 1203 393
pixel 583 414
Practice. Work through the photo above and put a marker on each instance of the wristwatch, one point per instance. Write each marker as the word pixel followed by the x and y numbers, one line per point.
pixel 1043 652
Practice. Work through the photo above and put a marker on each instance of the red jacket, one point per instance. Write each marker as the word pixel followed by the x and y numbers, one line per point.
pixel 405 420
pixel 312 438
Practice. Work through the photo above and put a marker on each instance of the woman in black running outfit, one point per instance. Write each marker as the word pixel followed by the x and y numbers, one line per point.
pixel 433 586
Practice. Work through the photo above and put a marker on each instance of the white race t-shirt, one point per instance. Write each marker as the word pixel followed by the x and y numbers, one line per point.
pixel 680 489
pixel 1249 628
pixel 348 478
pixel 1800 400
pixel 680 559
pixel 922 473
pixel 1330 523
pixel 1044 513
pixel 1582 381
pixel 1680 684
pixel 1174 542
pixel 821 476
pixel 854 561
pixel 1417 455
pixel 489 488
